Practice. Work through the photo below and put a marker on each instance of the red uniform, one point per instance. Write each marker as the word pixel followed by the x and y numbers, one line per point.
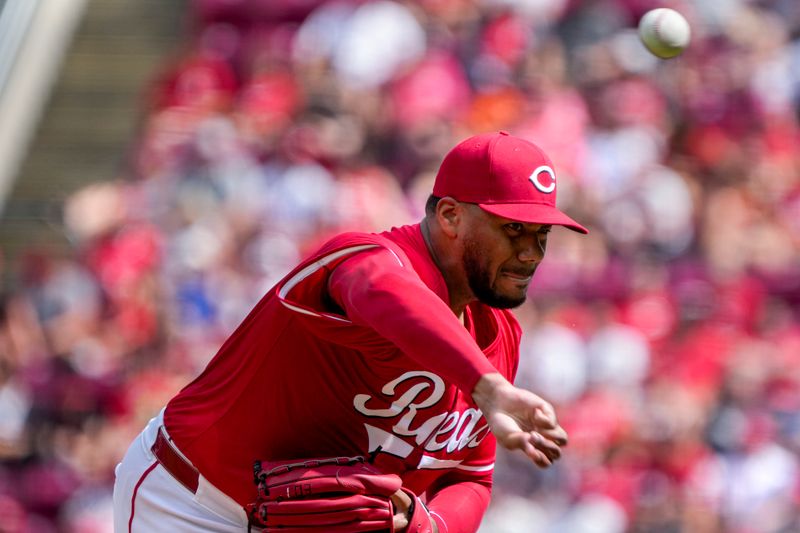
pixel 355 352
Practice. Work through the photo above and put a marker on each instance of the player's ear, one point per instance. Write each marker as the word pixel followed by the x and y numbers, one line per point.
pixel 449 214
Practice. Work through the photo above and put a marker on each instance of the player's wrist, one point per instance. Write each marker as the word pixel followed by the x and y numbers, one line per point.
pixel 485 391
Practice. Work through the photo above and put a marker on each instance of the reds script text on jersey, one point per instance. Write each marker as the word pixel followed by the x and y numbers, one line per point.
pixel 301 379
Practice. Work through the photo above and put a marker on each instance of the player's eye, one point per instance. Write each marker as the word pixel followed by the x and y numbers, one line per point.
pixel 544 230
pixel 514 228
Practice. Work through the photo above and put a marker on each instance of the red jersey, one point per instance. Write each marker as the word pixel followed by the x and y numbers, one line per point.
pixel 354 352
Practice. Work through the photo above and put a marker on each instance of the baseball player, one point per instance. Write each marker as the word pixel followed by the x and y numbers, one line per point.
pixel 368 389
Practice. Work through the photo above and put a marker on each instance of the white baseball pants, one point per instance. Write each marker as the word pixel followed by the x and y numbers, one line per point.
pixel 148 499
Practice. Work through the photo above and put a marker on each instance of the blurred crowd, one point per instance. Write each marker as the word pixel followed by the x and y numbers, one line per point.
pixel 668 338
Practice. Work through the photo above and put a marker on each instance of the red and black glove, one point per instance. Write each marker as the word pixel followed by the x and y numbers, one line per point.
pixel 332 495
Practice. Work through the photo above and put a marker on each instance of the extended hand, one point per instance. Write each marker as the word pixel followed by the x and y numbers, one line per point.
pixel 520 420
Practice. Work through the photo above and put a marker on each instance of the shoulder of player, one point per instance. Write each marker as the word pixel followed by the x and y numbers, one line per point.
pixel 358 250
pixel 355 241
pixel 350 238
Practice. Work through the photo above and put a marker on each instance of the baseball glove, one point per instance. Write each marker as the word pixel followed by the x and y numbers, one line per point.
pixel 332 495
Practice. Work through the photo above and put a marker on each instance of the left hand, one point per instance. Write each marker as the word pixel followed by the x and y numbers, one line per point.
pixel 520 420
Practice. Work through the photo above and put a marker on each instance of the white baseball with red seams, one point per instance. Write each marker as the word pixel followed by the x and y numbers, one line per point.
pixel 664 32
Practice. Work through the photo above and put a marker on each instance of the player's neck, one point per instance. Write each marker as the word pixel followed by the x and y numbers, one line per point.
pixel 458 298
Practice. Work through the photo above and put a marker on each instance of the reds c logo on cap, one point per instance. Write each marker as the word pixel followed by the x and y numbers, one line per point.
pixel 547 189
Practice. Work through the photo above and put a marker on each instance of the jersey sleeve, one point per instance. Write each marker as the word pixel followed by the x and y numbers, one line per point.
pixel 458 499
pixel 457 503
pixel 375 289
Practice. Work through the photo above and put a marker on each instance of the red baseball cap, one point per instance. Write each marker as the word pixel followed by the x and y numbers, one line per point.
pixel 506 176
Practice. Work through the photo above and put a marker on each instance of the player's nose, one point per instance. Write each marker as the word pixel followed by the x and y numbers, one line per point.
pixel 531 249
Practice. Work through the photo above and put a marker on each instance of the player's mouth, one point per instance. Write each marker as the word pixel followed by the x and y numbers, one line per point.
pixel 519 277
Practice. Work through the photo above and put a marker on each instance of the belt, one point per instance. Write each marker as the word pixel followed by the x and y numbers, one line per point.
pixel 174 463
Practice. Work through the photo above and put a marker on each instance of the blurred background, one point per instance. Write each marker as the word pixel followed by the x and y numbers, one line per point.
pixel 163 163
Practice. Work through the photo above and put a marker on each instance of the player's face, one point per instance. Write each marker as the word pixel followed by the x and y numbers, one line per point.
pixel 501 256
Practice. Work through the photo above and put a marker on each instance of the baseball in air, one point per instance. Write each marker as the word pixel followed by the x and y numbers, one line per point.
pixel 664 32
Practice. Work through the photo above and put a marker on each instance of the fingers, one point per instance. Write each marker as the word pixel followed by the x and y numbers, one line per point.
pixel 546 423
pixel 400 522
pixel 527 443
pixel 520 419
pixel 556 434
pixel 542 449
pixel 548 447
pixel 401 503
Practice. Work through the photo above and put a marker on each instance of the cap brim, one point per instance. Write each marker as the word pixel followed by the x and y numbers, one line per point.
pixel 533 214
